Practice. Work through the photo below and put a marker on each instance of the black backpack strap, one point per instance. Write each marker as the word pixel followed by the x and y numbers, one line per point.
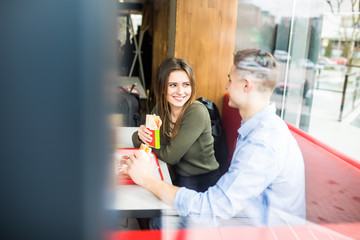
pixel 220 145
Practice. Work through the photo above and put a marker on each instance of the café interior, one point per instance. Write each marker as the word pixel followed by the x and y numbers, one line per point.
pixel 64 61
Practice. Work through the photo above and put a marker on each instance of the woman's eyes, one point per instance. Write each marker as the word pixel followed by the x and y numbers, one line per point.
pixel 184 84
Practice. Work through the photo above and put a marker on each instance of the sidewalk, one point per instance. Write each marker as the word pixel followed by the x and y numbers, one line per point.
pixel 344 136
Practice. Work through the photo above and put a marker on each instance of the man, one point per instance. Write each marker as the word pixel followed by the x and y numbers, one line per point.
pixel 265 182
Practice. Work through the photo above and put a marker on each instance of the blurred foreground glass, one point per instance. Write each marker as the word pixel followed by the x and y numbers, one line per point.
pixel 57 65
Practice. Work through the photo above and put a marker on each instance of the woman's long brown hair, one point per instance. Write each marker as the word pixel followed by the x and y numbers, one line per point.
pixel 160 91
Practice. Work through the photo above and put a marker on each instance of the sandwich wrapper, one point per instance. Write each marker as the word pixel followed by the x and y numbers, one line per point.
pixel 121 156
pixel 145 151
pixel 153 123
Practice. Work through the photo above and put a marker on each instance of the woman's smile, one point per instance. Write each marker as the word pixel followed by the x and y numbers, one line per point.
pixel 179 89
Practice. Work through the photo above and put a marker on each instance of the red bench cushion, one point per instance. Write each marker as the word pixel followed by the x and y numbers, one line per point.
pixel 231 122
pixel 332 182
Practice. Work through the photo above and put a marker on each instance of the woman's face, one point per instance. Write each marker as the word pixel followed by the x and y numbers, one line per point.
pixel 179 89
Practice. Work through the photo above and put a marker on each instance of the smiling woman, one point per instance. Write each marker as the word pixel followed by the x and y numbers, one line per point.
pixel 178 93
pixel 172 72
pixel 186 141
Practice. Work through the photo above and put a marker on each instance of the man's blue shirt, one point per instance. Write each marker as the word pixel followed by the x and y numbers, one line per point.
pixel 265 184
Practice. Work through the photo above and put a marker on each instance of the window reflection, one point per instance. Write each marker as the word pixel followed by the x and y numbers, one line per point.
pixel 316 44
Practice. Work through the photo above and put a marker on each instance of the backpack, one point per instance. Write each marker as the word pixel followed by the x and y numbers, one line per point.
pixel 129 107
pixel 218 133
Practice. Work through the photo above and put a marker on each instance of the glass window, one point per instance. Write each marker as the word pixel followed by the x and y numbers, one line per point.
pixel 316 45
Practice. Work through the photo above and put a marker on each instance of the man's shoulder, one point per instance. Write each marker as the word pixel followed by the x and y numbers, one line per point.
pixel 272 130
pixel 276 135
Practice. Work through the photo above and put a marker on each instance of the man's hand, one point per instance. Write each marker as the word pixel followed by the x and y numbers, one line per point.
pixel 140 168
pixel 142 173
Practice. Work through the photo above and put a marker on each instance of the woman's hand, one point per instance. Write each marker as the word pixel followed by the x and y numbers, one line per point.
pixel 144 135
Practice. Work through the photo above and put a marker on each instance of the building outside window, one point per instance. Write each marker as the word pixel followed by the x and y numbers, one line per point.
pixel 316 45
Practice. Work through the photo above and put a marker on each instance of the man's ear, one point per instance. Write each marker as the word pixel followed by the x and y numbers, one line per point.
pixel 248 86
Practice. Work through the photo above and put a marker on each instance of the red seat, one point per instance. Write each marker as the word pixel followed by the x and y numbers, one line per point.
pixel 332 181
pixel 231 122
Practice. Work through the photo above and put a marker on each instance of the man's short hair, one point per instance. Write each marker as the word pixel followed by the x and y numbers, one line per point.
pixel 261 65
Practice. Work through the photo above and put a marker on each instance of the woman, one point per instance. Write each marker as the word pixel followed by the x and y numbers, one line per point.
pixel 186 142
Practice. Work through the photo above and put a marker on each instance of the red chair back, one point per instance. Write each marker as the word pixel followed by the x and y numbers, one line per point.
pixel 231 122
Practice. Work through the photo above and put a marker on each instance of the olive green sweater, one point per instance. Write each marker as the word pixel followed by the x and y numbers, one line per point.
pixel 192 150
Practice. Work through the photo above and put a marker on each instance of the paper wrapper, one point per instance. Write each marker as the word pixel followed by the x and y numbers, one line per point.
pixel 146 151
pixel 153 123
pixel 121 165
pixel 122 154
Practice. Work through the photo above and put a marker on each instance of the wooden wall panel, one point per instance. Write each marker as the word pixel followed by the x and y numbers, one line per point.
pixel 205 36
pixel 161 34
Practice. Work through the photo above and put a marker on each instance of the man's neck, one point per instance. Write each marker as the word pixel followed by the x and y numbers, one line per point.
pixel 251 109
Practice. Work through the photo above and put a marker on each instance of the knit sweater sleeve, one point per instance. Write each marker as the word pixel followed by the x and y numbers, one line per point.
pixel 192 126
